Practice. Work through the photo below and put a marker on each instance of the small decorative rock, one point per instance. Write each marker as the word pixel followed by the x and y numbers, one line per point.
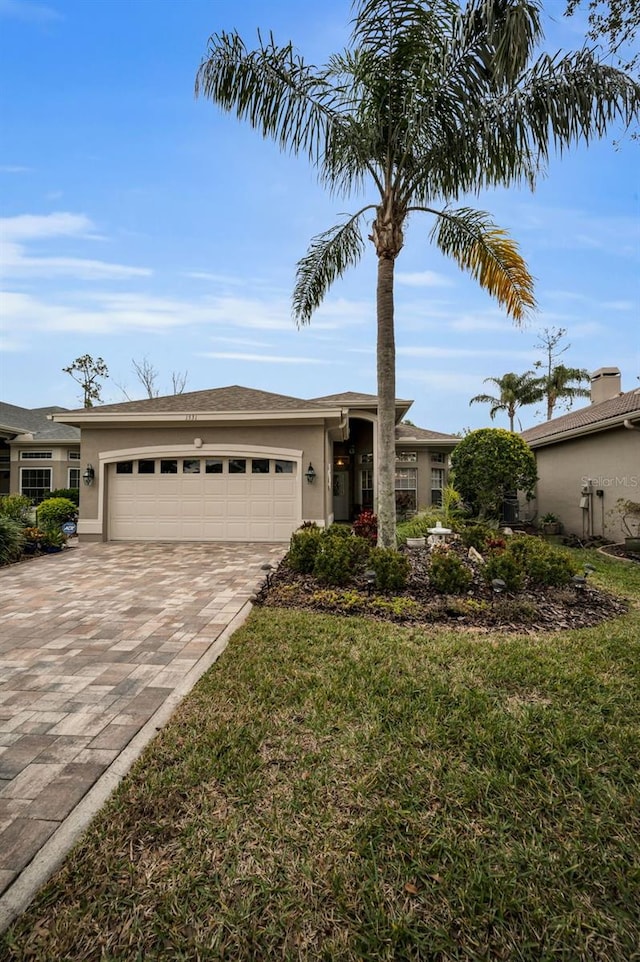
pixel 415 542
pixel 475 556
pixel 507 531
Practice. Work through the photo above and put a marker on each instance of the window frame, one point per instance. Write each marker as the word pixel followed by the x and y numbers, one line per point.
pixel 46 490
pixel 36 455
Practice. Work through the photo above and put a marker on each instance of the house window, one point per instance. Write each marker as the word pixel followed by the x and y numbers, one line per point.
pixel 437 484
pixel 147 466
pixel 366 488
pixel 124 467
pixel 73 455
pixel 406 491
pixel 437 457
pixel 283 467
pixel 237 466
pixel 191 466
pixel 36 455
pixel 73 475
pixel 366 458
pixel 213 466
pixel 407 457
pixel 35 483
pixel 260 466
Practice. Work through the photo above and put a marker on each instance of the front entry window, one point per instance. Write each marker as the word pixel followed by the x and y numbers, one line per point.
pixel 35 483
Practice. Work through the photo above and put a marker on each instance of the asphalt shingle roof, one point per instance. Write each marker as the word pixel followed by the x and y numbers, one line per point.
pixel 233 398
pixel 621 406
pixel 409 432
pixel 34 421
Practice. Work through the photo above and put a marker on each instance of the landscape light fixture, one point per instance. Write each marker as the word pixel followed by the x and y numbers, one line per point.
pixel 310 474
pixel 268 568
pixel 370 578
pixel 88 475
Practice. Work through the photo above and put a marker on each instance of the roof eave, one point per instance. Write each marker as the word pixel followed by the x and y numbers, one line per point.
pixel 617 421
pixel 98 418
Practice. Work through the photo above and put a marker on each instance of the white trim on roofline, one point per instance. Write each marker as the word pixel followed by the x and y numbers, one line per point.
pixel 585 429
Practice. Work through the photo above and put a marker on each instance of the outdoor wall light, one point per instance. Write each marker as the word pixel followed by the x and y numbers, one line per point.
pixel 88 475
pixel 310 474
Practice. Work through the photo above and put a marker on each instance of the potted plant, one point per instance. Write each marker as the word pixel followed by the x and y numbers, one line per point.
pixel 550 523
pixel 629 511
pixel 52 540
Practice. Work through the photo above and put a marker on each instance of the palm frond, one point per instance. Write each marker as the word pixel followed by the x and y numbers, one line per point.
pixel 328 257
pixel 273 89
pixel 489 255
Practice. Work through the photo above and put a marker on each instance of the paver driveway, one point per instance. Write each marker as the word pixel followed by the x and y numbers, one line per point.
pixel 93 642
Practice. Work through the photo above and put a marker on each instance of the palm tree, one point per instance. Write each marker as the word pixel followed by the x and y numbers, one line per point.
pixel 429 102
pixel 563 384
pixel 516 390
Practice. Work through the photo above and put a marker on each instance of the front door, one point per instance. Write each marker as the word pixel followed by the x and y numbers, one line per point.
pixel 341 495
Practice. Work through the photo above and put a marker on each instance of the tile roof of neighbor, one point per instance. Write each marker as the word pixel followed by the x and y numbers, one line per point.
pixel 587 418
pixel 17 420
pixel 409 432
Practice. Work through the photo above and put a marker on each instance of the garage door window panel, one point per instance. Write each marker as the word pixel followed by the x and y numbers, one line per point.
pixel 191 466
pixel 284 467
pixel 124 467
pixel 213 466
pixel 237 465
pixel 168 466
pixel 146 467
pixel 260 466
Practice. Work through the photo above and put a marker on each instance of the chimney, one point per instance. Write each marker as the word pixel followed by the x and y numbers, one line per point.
pixel 605 384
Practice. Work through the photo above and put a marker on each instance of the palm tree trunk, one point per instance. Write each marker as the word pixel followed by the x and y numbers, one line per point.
pixel 386 361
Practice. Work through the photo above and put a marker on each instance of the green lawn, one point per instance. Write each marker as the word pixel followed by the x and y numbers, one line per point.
pixel 337 789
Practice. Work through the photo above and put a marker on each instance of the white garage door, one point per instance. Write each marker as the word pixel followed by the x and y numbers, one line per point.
pixel 203 499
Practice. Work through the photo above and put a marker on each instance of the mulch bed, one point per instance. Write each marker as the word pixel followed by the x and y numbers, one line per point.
pixel 618 551
pixel 533 609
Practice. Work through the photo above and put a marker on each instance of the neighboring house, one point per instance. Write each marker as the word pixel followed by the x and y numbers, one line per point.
pixel 37 455
pixel 236 464
pixel 590 458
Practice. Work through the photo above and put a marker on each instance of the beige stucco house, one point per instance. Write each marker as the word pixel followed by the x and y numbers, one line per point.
pixel 37 455
pixel 590 458
pixel 236 464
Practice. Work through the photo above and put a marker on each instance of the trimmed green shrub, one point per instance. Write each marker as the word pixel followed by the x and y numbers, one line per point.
pixel 303 549
pixel 71 494
pixel 55 511
pixel 447 573
pixel 392 568
pixel 507 568
pixel 488 463
pixel 11 539
pixel 543 563
pixel 334 561
pixel 18 507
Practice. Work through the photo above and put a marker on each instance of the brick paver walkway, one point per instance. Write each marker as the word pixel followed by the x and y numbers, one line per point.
pixel 92 642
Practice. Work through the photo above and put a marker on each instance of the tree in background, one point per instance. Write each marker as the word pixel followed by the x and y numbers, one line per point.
pixel 516 390
pixel 488 464
pixel 559 384
pixel 617 21
pixel 430 102
pixel 148 375
pixel 88 372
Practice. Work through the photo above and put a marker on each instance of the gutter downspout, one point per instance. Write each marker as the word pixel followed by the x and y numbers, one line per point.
pixel 630 426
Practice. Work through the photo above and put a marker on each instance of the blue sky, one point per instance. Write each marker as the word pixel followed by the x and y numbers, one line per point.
pixel 137 222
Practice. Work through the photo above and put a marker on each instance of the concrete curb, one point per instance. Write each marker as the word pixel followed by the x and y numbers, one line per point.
pixel 18 896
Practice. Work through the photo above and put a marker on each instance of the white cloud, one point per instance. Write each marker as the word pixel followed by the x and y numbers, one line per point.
pixel 447 352
pixel 18 231
pixel 264 358
pixel 14 169
pixel 447 382
pixel 423 279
